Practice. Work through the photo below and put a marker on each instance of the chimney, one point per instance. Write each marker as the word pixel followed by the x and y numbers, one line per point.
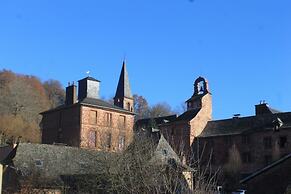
pixel 71 94
pixel 88 88
pixel 262 108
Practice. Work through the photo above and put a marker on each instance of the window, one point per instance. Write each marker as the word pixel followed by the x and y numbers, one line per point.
pixel 93 117
pixel 108 119
pixel 107 143
pixel 165 152
pixel 268 142
pixel 38 163
pixel 92 139
pixel 268 159
pixel 245 139
pixel 283 141
pixel 128 106
pixel 121 142
pixel 122 121
pixel 246 157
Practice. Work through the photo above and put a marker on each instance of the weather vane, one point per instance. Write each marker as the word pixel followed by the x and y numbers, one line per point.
pixel 88 73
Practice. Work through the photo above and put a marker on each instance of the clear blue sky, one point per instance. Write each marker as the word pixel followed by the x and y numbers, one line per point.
pixel 243 47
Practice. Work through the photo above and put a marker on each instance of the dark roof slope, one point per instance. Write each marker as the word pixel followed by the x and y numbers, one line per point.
pixel 102 104
pixel 245 124
pixel 188 115
pixel 92 102
pixel 147 122
pixel 89 78
pixel 51 161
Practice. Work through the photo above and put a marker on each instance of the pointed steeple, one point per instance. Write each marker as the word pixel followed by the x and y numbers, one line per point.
pixel 123 88
pixel 123 97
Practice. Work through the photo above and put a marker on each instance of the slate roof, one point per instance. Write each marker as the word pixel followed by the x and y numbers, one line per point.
pixel 89 78
pixel 102 104
pixel 123 87
pixel 164 154
pixel 92 102
pixel 51 161
pixel 156 120
pixel 188 115
pixel 245 125
pixel 196 96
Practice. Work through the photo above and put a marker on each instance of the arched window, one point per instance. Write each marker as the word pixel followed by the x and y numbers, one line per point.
pixel 128 106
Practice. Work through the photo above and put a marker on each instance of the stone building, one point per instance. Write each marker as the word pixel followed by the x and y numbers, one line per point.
pixel 86 121
pixel 259 139
pixel 181 131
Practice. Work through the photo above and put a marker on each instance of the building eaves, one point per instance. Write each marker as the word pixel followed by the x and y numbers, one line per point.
pixel 103 104
pixel 93 103
pixel 90 78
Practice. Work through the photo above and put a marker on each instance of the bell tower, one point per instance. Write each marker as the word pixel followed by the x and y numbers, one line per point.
pixel 201 90
pixel 123 97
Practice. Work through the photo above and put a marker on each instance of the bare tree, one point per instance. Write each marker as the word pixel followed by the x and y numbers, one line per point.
pixel 141 107
pixel 160 109
pixel 231 170
pixel 55 92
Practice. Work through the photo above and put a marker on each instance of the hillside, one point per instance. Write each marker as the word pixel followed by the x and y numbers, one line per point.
pixel 22 98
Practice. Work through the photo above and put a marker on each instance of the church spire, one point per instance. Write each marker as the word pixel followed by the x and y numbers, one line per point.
pixel 123 97
pixel 123 88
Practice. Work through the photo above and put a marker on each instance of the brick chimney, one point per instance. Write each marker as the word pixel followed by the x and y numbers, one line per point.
pixel 71 94
pixel 88 88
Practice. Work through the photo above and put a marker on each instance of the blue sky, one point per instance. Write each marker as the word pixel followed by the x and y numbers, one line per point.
pixel 243 47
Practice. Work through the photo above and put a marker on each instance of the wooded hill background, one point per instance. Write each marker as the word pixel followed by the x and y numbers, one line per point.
pixel 22 98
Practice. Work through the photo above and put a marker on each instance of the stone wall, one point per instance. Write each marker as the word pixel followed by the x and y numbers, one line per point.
pixel 204 115
pixel 110 127
pixel 254 154
pixel 62 126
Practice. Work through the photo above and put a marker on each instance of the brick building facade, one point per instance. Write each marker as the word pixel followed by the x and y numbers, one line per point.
pixel 86 121
pixel 181 132
pixel 259 139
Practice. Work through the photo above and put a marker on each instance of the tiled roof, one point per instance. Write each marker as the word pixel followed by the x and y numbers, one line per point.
pixel 245 124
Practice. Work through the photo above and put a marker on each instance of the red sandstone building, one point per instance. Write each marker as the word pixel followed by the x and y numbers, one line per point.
pixel 259 139
pixel 86 121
